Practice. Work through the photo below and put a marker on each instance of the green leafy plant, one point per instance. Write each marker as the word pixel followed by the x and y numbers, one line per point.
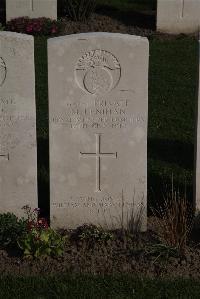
pixel 91 233
pixel 2 28
pixel 37 243
pixel 161 251
pixel 80 10
pixel 11 228
pixel 40 239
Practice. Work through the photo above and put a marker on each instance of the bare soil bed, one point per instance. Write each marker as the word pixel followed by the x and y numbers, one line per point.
pixel 103 23
pixel 108 23
pixel 123 254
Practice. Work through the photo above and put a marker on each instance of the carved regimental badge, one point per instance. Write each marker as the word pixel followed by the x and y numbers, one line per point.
pixel 98 72
pixel 2 71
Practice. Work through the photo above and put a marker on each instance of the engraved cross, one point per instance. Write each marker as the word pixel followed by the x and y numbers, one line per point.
pixel 182 8
pixel 5 156
pixel 98 155
pixel 32 5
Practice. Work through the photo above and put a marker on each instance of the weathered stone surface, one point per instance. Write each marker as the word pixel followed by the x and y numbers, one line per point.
pixel 18 158
pixel 197 153
pixel 31 8
pixel 178 16
pixel 98 98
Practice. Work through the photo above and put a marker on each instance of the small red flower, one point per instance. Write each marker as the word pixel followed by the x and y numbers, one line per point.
pixel 30 225
pixel 42 223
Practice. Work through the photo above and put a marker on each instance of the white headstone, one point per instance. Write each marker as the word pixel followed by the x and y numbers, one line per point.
pixel 18 156
pixel 197 157
pixel 98 98
pixel 31 8
pixel 178 16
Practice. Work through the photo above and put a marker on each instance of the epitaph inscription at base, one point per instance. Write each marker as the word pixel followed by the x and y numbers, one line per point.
pixel 98 104
pixel 18 153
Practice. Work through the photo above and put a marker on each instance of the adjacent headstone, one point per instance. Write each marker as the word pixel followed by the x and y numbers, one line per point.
pixel 178 16
pixel 31 9
pixel 197 154
pixel 98 98
pixel 18 157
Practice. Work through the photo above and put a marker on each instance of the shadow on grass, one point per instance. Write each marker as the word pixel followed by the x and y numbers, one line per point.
pixel 159 186
pixel 3 11
pixel 142 19
pixel 172 151
pixel 43 177
pixel 177 159
pixel 82 286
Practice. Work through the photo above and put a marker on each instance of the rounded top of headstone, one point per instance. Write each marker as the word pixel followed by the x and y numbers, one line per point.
pixel 88 35
pixel 16 35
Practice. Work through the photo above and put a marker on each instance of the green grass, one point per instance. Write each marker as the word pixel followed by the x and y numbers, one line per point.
pixel 172 106
pixel 140 13
pixel 127 5
pixel 96 287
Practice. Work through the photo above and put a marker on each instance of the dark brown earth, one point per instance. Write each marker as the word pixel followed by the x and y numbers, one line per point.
pixel 106 23
pixel 103 23
pixel 123 254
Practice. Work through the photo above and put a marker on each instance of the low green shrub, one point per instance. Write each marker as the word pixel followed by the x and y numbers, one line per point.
pixel 11 228
pixel 2 28
pixel 42 242
pixel 161 252
pixel 80 10
pixel 39 239
pixel 91 233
